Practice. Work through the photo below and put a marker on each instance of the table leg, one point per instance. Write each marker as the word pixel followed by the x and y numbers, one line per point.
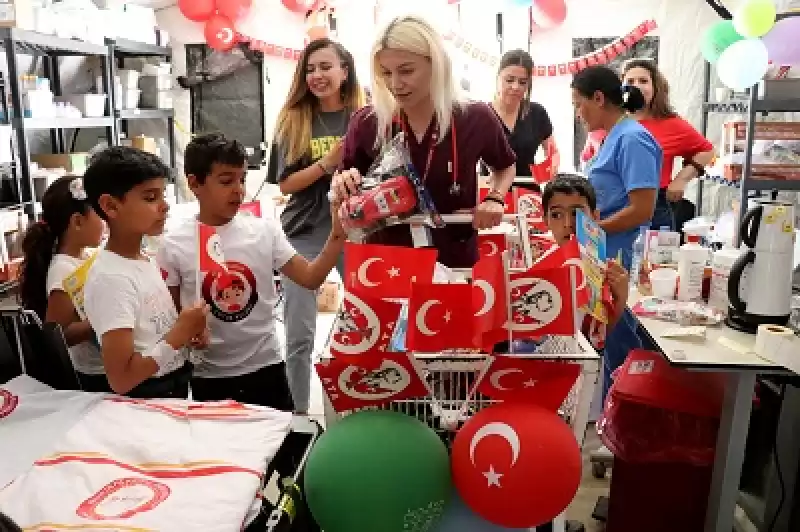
pixel 731 440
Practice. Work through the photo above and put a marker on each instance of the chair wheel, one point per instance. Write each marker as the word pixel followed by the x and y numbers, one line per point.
pixel 598 470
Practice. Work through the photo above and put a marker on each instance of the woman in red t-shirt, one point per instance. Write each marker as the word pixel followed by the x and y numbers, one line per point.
pixel 675 135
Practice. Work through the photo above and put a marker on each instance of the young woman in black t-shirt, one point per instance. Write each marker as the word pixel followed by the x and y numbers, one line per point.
pixel 526 123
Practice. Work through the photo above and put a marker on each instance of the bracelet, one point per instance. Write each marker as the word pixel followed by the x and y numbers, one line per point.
pixel 494 199
pixel 699 168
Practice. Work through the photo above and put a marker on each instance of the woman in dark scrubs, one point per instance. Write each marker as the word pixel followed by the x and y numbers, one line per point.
pixel 413 84
pixel 526 123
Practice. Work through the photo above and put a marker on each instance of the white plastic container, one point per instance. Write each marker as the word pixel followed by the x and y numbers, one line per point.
pixel 90 105
pixel 663 282
pixel 721 264
pixel 692 260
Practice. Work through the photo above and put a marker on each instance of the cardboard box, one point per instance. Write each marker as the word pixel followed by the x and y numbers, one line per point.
pixel 73 163
pixel 147 144
pixel 733 172
pixel 18 14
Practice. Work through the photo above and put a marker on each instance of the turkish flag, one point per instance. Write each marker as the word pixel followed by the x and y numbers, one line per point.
pixel 541 245
pixel 516 465
pixel 541 303
pixel 491 244
pixel 439 317
pixel 529 204
pixel 363 325
pixel 568 254
pixel 489 297
pixel 543 383
pixel 386 271
pixel 210 256
pixel 353 382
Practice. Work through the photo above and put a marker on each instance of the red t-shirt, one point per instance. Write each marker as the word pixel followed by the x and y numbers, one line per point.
pixel 677 138
pixel 479 136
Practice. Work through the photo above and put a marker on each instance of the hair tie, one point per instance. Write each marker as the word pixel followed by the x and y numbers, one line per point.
pixel 76 189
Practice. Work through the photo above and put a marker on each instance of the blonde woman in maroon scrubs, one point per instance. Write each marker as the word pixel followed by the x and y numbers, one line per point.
pixel 413 84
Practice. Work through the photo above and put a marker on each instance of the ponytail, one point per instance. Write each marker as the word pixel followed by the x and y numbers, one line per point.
pixel 63 198
pixel 38 246
pixel 632 98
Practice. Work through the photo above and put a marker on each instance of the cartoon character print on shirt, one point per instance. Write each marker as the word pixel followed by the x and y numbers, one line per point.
pixel 231 298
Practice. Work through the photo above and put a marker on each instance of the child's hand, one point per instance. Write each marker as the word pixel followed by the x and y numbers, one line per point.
pixel 618 281
pixel 191 323
pixel 337 231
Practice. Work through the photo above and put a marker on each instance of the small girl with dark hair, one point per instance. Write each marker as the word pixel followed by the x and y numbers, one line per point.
pixel 53 249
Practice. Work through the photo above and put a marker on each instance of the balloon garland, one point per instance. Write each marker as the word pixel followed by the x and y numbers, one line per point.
pixel 600 57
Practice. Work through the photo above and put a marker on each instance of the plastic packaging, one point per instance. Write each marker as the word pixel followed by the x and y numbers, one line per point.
pixel 692 261
pixel 721 264
pixel 638 256
pixel 663 281
pixel 392 188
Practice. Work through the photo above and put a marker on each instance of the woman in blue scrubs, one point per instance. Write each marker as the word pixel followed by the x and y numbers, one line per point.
pixel 625 175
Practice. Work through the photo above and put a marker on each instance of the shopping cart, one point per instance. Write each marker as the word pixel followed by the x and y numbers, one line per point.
pixel 452 376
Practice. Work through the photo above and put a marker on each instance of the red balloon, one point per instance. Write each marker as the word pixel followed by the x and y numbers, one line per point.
pixel 234 9
pixel 220 33
pixel 300 6
pixel 549 13
pixel 197 10
pixel 516 465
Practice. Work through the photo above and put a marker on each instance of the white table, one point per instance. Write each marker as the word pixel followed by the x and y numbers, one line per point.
pixel 741 366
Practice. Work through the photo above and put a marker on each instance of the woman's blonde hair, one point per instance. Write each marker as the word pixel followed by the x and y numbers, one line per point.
pixel 293 126
pixel 413 34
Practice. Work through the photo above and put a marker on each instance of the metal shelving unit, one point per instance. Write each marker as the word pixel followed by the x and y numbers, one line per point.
pixel 49 48
pixel 750 107
pixel 118 50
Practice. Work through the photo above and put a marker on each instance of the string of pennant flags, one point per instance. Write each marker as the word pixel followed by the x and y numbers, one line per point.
pixel 600 57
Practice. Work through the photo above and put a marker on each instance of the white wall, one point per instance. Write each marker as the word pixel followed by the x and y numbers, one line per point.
pixel 681 26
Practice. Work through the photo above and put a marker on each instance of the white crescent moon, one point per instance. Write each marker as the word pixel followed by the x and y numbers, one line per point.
pixel 579 264
pixel 488 291
pixel 495 378
pixel 423 310
pixel 499 429
pixel 493 246
pixel 362 272
pixel 225 35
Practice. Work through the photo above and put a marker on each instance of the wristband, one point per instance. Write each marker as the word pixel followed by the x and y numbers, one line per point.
pixel 166 358
pixel 699 168
pixel 494 199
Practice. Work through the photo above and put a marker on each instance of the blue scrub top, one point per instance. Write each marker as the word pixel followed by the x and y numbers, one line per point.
pixel 629 159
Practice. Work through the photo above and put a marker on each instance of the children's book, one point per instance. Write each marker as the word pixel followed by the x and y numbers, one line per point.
pixel 592 242
pixel 73 285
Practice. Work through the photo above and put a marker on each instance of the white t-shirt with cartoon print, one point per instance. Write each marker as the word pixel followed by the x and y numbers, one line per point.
pixel 122 293
pixel 242 318
pixel 86 357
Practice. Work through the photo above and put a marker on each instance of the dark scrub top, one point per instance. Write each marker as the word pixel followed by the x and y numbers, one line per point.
pixel 479 136
pixel 530 130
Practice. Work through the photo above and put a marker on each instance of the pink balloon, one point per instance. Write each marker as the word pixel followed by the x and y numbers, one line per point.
pixel 549 13
pixel 234 9
pixel 782 42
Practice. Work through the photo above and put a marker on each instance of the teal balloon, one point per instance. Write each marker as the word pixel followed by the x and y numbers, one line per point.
pixel 459 518
pixel 378 471
pixel 743 64
pixel 717 39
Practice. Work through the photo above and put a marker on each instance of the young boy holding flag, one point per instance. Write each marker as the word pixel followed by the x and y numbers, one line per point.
pixel 228 260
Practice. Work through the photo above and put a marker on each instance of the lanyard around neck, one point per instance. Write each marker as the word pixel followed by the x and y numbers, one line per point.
pixel 455 187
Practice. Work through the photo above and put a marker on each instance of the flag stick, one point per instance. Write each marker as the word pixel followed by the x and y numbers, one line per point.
pixel 575 315
pixel 507 288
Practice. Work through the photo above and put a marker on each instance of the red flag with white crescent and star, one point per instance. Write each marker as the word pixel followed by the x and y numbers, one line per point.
pixel 491 244
pixel 568 254
pixel 353 382
pixel 489 297
pixel 386 271
pixel 440 317
pixel 529 204
pixel 543 383
pixel 363 325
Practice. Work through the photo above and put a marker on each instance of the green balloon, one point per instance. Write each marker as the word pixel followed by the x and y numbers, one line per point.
pixel 755 18
pixel 378 471
pixel 717 39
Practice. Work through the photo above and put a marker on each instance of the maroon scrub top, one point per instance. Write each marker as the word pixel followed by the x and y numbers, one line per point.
pixel 479 136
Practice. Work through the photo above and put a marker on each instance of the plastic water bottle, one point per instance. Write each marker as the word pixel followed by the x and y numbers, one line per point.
pixel 638 255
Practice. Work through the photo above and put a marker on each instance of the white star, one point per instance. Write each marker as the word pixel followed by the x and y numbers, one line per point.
pixel 492 477
pixel 394 271
pixel 447 316
pixel 530 383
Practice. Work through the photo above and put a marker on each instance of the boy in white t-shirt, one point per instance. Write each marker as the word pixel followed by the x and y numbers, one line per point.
pixel 144 342
pixel 243 360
